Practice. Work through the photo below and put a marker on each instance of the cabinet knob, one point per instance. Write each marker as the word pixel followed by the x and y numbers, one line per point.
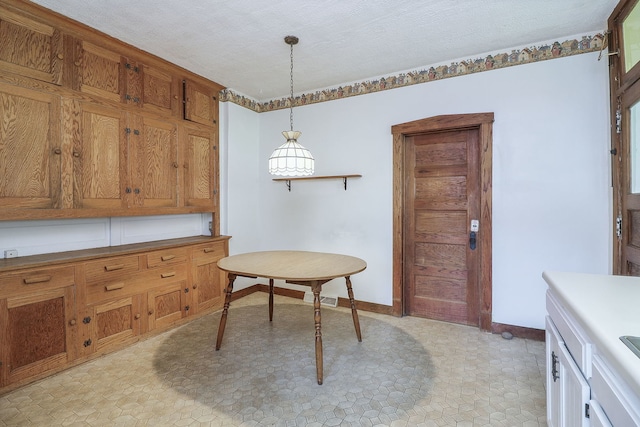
pixel 57 150
pixel 77 63
pixel 176 165
pixel 76 154
pixel 195 286
pixel 137 316
pixel 60 56
pixel 150 312
pixel 72 322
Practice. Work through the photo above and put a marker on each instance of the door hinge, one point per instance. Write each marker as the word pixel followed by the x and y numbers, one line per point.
pixel 619 226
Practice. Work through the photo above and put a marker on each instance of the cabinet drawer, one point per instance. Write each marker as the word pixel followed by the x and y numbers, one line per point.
pixel 614 396
pixel 213 251
pixel 574 338
pixel 108 269
pixel 40 279
pixel 167 274
pixel 166 257
pixel 104 291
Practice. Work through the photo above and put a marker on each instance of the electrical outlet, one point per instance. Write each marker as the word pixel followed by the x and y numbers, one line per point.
pixel 11 253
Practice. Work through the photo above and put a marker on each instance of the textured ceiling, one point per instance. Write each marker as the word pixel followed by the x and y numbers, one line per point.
pixel 239 43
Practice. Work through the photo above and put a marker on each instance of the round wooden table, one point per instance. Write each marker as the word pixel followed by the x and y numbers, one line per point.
pixel 298 267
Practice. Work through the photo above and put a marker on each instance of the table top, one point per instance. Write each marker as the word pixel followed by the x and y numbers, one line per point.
pixel 292 265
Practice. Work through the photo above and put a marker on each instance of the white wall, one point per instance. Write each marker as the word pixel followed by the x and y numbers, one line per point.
pixel 551 177
pixel 48 236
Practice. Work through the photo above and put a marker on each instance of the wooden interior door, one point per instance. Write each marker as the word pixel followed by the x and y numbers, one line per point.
pixel 442 181
pixel 441 200
pixel 625 138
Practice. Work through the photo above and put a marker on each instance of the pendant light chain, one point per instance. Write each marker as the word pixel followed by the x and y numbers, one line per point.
pixel 291 100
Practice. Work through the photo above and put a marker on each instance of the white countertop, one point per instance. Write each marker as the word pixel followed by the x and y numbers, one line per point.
pixel 607 307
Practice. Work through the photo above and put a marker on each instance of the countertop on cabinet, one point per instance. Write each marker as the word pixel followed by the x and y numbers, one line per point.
pixel 49 259
pixel 607 307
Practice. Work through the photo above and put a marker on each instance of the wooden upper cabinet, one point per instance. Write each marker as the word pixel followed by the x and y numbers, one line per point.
pixel 160 91
pixel 153 158
pixel 30 48
pixel 200 103
pixel 100 158
pixel 200 166
pixel 112 76
pixel 30 148
pixel 124 160
pixel 102 72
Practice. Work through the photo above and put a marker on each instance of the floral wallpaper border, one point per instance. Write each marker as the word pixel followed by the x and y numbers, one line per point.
pixel 589 43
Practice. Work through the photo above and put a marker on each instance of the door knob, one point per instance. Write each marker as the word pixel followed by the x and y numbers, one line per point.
pixel 472 240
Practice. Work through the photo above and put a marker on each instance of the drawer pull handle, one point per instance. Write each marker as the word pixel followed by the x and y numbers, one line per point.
pixel 167 257
pixel 114 267
pixel 207 250
pixel 114 286
pixel 165 275
pixel 38 279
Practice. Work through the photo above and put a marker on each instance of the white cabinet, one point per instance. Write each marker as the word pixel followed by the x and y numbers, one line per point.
pixel 584 388
pixel 568 391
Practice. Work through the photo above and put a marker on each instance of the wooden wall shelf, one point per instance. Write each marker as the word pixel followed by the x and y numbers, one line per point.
pixel 308 178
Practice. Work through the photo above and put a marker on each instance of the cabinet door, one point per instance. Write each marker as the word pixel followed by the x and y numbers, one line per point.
pixel 100 165
pixel 114 323
pixel 30 148
pixel 200 167
pixel 554 341
pixel 30 48
pixel 154 163
pixel 576 392
pixel 208 281
pixel 207 286
pixel 36 333
pixel 103 72
pixel 160 91
pixel 166 304
pixel 200 104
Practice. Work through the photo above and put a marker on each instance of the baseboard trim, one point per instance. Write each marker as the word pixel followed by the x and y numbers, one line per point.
pixel 342 302
pixel 496 328
pixel 518 331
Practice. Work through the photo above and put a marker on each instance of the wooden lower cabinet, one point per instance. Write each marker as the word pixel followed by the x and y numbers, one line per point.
pixel 37 323
pixel 208 281
pixel 112 324
pixel 70 307
pixel 166 305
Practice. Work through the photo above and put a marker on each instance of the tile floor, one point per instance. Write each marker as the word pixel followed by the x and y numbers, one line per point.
pixel 406 372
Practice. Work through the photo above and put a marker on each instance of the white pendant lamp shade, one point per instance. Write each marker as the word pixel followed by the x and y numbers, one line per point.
pixel 291 158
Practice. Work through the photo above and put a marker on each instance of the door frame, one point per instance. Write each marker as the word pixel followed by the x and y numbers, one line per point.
pixel 483 122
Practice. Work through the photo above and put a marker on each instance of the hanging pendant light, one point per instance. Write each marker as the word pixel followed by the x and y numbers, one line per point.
pixel 291 158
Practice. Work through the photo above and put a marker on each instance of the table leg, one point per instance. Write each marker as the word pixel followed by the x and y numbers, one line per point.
pixel 270 300
pixel 354 312
pixel 225 310
pixel 316 287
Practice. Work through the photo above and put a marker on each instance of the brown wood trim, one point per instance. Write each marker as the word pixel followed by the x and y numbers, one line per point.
pixel 398 210
pixel 483 122
pixel 292 293
pixel 519 331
